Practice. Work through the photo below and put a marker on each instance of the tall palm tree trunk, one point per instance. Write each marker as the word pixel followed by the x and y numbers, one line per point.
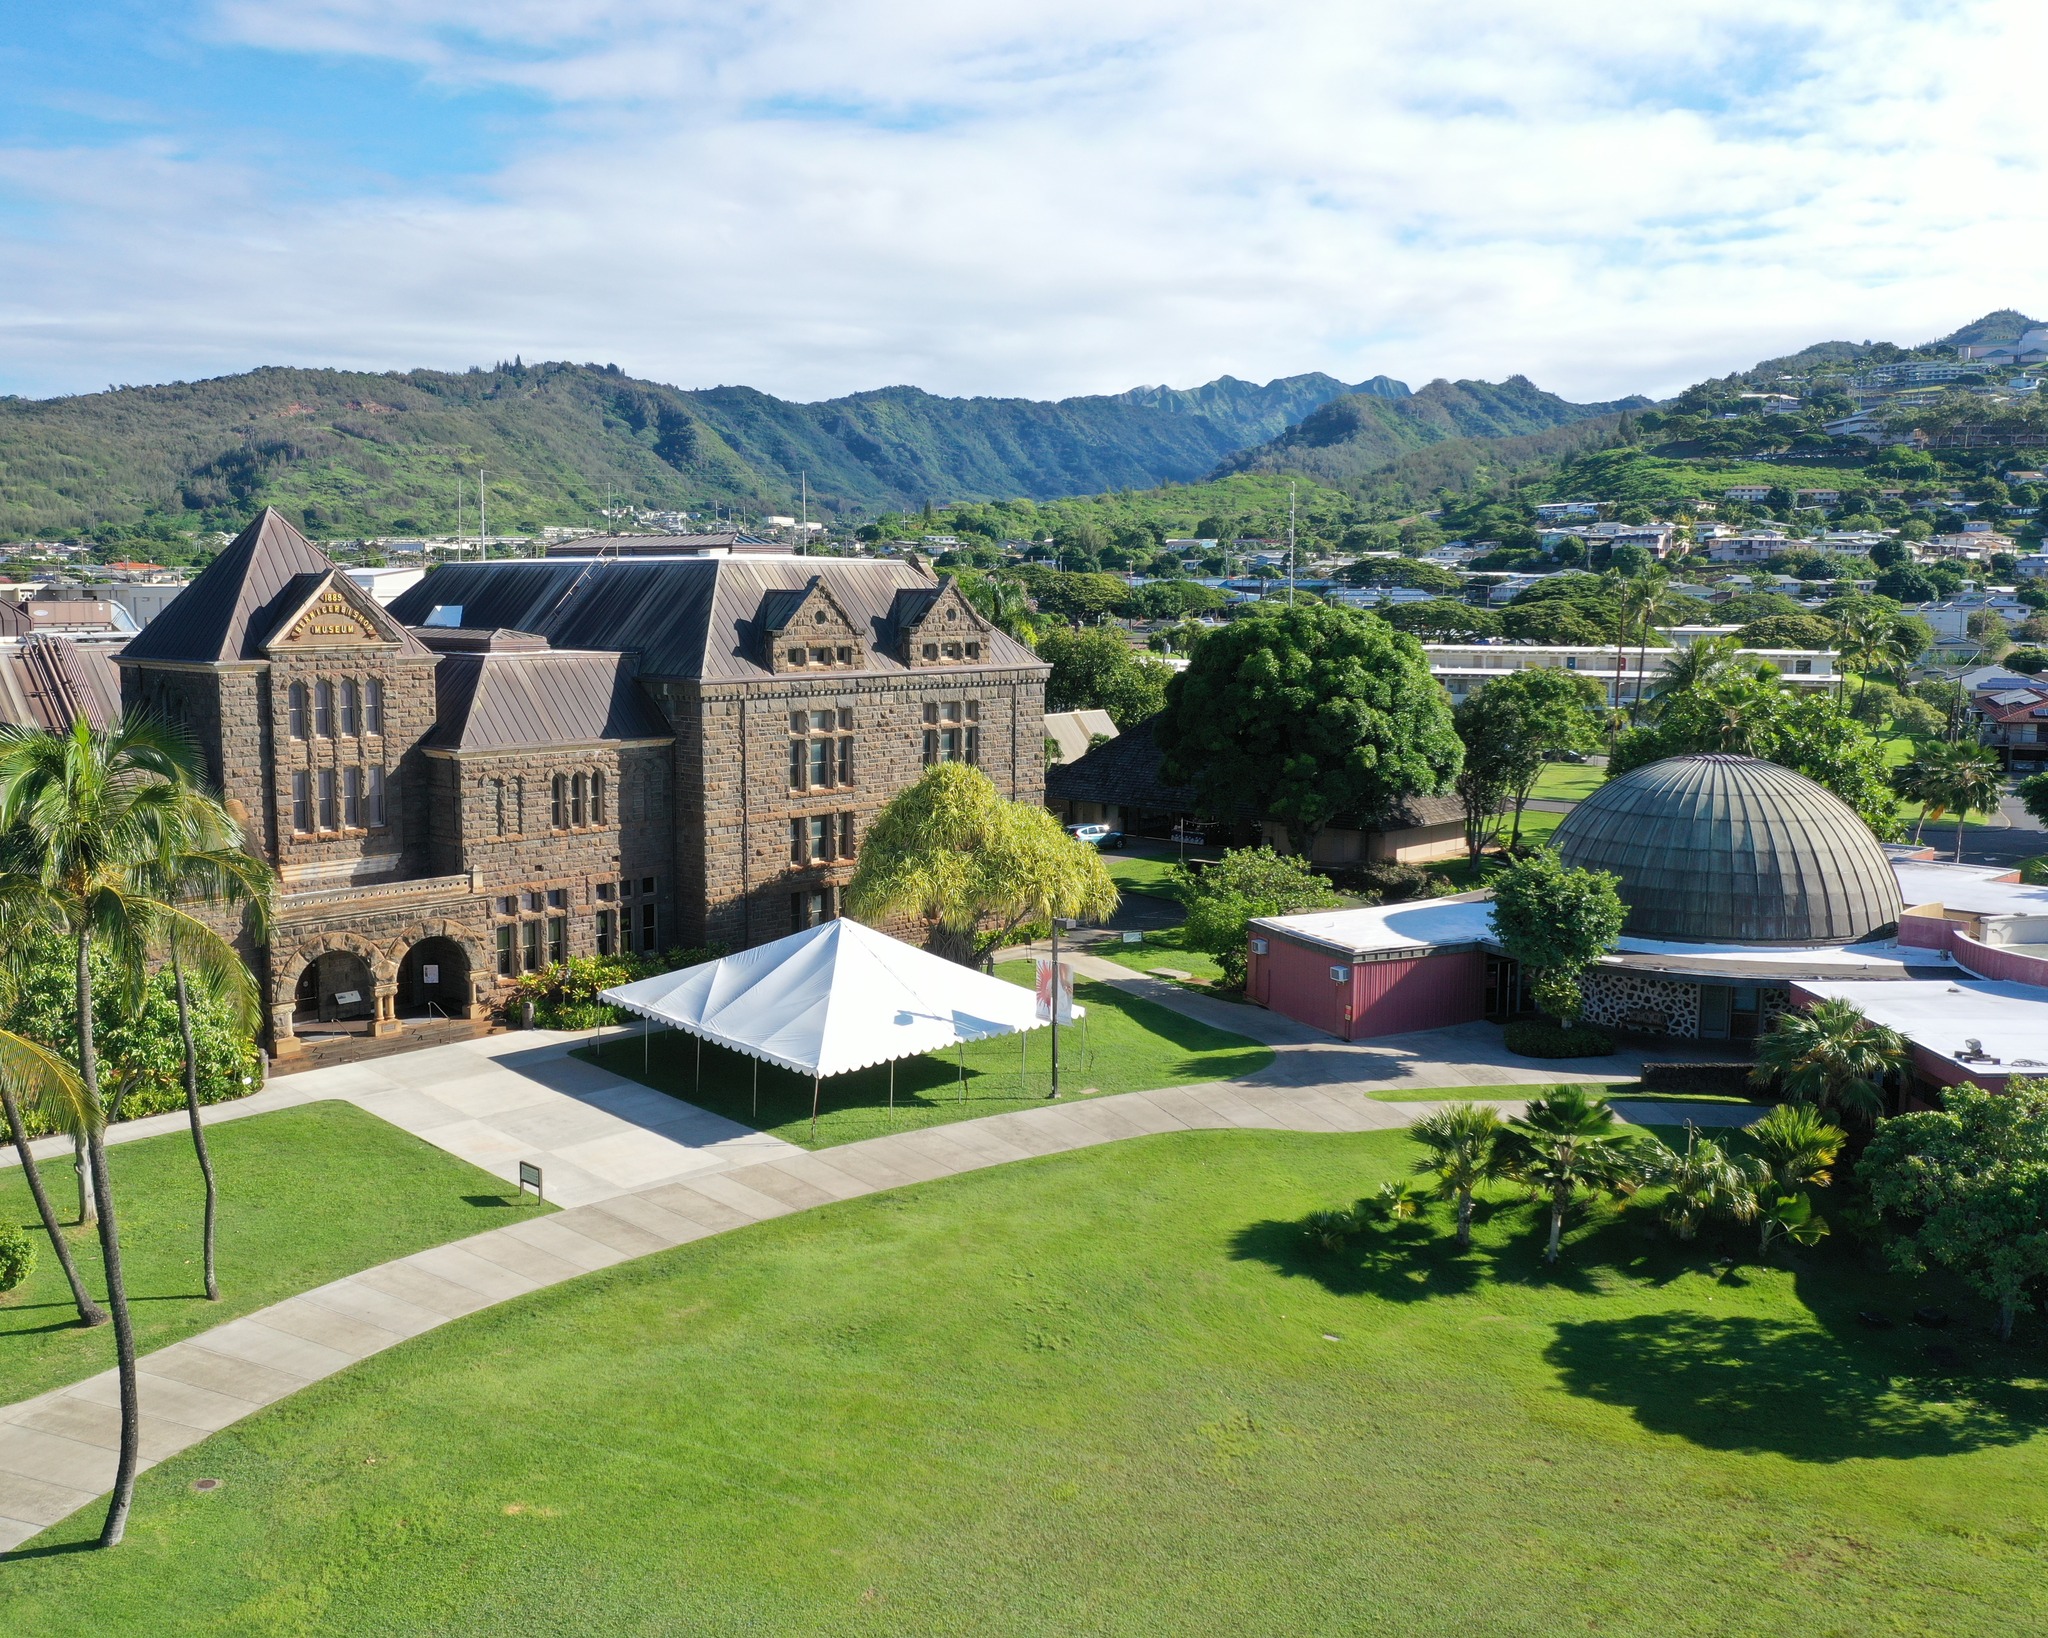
pixel 198 1131
pixel 1464 1219
pixel 1959 836
pixel 1556 1229
pixel 110 1251
pixel 88 1196
pixel 89 1311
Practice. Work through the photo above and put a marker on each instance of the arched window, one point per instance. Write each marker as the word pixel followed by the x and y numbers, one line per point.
pixel 498 798
pixel 579 800
pixel 351 714
pixel 561 814
pixel 297 695
pixel 323 708
pixel 597 799
pixel 373 707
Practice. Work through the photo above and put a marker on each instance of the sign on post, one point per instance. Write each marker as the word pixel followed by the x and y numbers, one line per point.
pixel 1055 991
pixel 429 973
pixel 529 1177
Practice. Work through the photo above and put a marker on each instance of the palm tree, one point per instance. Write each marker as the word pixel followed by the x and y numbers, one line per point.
pixel 29 1070
pixel 1965 778
pixel 1871 642
pixel 86 818
pixel 1831 1056
pixel 1701 1181
pixel 1793 1148
pixel 1919 779
pixel 1568 1144
pixel 1463 1153
pixel 1649 593
pixel 1708 662
pixel 204 860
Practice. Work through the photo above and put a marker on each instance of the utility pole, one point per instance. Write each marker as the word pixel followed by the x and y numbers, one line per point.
pixel 804 513
pixel 483 537
pixel 1290 544
pixel 1055 1006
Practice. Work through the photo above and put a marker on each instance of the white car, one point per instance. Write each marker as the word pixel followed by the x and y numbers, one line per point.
pixel 1100 835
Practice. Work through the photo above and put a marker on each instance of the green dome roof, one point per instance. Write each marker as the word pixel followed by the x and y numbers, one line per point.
pixel 1733 850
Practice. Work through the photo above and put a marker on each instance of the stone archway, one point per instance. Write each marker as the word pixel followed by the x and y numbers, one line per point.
pixel 336 993
pixel 462 970
pixel 338 963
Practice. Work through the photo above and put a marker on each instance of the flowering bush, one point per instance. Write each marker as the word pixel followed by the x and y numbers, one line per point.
pixel 565 995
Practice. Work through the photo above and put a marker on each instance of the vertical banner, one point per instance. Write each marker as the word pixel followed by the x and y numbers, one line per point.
pixel 1055 993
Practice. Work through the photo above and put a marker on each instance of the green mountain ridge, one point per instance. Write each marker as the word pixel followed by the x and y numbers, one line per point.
pixel 349 452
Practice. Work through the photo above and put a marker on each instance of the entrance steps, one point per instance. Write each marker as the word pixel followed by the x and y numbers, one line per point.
pixel 354 1049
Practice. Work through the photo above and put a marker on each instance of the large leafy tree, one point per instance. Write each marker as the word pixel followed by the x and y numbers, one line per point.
pixel 1512 727
pixel 1246 882
pixel 1557 921
pixel 86 818
pixel 1308 714
pixel 973 866
pixel 1831 1056
pixel 1095 669
pixel 1570 1144
pixel 1966 1187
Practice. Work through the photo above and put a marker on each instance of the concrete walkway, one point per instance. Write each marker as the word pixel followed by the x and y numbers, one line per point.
pixel 654 1174
pixel 501 1099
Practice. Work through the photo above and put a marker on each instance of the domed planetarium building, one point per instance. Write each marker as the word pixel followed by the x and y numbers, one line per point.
pixel 1742 880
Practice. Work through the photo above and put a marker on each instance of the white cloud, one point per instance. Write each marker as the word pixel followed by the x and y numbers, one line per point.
pixel 1079 197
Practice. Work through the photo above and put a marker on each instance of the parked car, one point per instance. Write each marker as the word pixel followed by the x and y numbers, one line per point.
pixel 1103 836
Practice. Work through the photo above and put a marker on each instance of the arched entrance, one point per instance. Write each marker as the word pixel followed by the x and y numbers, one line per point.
pixel 433 980
pixel 336 994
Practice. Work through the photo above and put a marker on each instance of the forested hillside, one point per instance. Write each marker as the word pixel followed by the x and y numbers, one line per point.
pixel 355 453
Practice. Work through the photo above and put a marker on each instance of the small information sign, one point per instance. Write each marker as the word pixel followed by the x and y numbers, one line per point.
pixel 529 1177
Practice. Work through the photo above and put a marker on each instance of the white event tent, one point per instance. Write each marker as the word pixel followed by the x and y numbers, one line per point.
pixel 832 999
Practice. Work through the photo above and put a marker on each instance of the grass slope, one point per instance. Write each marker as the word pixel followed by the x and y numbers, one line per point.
pixel 1131 1045
pixel 1114 1393
pixel 307 1195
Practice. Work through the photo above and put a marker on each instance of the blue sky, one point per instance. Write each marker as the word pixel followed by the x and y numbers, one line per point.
pixel 1078 196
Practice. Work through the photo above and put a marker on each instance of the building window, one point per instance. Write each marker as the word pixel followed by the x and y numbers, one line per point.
pixel 597 799
pixel 819 757
pixel 498 802
pixel 952 731
pixel 302 800
pixel 796 656
pixel 558 940
pixel 352 797
pixel 297 695
pixel 846 656
pixel 604 932
pixel 560 819
pixel 796 841
pixel 323 708
pixel 648 943
pixel 821 764
pixel 533 901
pixel 811 909
pixel 327 813
pixel 579 801
pixel 605 890
pixel 373 707
pixel 529 945
pixel 558 898
pixel 374 816
pixel 646 884
pixel 505 967
pixel 821 838
pixel 508 905
pixel 351 714
pixel 846 836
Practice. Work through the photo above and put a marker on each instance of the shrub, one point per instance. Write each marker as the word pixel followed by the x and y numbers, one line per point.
pixel 17 1257
pixel 565 996
pixel 1389 882
pixel 1532 1038
pixel 1723 1080
pixel 1226 893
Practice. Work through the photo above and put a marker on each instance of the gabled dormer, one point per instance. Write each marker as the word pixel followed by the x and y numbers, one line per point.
pixel 328 611
pixel 940 628
pixel 807 631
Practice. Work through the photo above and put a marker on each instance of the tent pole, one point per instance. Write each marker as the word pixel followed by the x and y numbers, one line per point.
pixel 1023 1062
pixel 814 1105
pixel 700 1063
pixel 962 1045
pixel 757 1089
pixel 645 1027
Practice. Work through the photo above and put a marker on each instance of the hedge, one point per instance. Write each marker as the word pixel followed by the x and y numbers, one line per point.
pixel 1726 1080
pixel 1533 1039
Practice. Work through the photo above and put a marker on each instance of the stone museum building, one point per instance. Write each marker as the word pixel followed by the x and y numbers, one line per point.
pixel 637 745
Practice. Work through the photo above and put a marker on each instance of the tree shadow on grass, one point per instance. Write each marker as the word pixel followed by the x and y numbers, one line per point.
pixel 1750 1384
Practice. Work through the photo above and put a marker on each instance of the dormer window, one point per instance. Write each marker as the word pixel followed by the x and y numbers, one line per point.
pixel 931 651
pixel 796 656
pixel 821 656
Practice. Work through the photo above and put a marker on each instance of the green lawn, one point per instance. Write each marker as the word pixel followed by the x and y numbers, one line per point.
pixel 307 1195
pixel 1163 948
pixel 1568 781
pixel 1136 873
pixel 1473 1094
pixel 1115 1392
pixel 1127 1045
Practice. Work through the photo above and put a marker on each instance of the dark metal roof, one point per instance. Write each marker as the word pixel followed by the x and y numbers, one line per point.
pixel 1123 772
pixel 50 682
pixel 660 545
pixel 509 698
pixel 696 618
pixel 235 604
pixel 1733 850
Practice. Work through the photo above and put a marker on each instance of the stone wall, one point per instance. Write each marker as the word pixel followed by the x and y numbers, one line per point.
pixel 1613 996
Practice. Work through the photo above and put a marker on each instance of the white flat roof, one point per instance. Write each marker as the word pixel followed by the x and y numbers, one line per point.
pixel 2009 1020
pixel 1973 889
pixel 1423 924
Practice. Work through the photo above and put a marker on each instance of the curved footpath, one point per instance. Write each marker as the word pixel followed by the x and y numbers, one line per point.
pixel 57 1450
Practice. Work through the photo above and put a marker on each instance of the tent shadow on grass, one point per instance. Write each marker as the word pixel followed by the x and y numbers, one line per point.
pixel 1751 1384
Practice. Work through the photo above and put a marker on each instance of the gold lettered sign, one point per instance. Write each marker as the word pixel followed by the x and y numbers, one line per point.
pixel 333 619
